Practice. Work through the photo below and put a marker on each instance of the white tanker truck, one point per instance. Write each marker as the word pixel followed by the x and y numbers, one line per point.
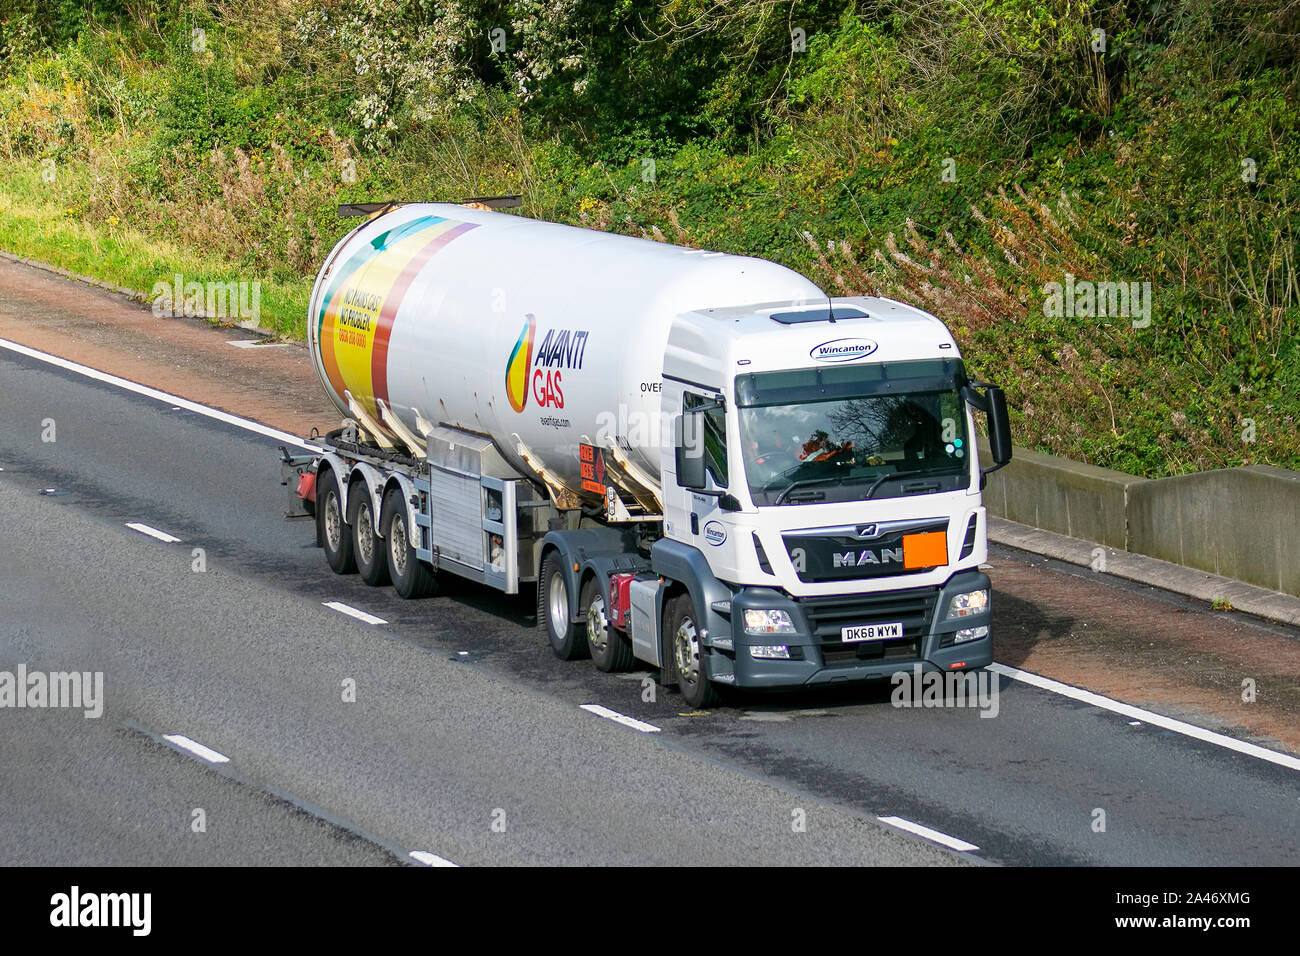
pixel 702 461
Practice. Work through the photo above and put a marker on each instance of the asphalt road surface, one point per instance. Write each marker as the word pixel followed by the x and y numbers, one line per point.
pixel 466 740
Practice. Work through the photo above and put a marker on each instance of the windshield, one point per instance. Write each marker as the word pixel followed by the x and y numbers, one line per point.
pixel 854 432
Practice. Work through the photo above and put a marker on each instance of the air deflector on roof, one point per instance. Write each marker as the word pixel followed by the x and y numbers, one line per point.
pixel 820 314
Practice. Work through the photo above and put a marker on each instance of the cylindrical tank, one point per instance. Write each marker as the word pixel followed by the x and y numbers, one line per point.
pixel 518 329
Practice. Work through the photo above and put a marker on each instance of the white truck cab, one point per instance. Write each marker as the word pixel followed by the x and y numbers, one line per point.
pixel 827 476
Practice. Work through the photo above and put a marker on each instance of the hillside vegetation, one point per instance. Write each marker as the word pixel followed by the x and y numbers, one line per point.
pixel 964 156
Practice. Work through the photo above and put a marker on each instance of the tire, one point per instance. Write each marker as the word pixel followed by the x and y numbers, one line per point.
pixel 367 547
pixel 411 577
pixel 682 632
pixel 610 649
pixel 567 640
pixel 334 533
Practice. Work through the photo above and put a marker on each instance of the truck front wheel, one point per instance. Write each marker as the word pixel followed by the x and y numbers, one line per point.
pixel 412 578
pixel 688 653
pixel 567 640
pixel 334 533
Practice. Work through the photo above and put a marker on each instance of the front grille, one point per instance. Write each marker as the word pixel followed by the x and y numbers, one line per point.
pixel 913 607
pixel 819 557
pixel 871 652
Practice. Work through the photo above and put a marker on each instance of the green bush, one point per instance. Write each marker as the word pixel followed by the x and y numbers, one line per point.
pixel 958 156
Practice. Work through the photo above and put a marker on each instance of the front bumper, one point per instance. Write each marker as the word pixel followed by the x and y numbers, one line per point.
pixel 819 656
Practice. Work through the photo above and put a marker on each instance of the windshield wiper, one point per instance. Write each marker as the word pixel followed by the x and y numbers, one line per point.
pixel 802 483
pixel 889 476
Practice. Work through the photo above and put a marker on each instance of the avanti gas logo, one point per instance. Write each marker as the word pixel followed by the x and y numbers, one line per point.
pixel 520 364
pixel 561 350
pixel 843 350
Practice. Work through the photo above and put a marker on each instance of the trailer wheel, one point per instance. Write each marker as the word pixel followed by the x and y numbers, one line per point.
pixel 412 578
pixel 567 640
pixel 688 652
pixel 334 533
pixel 367 546
pixel 610 649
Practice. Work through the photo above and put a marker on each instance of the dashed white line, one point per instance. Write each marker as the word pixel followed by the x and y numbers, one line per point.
pixel 430 859
pixel 196 748
pixel 618 718
pixel 154 393
pixel 353 612
pixel 1150 717
pixel 949 841
pixel 152 532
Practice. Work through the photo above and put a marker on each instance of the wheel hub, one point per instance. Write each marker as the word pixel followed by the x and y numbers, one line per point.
pixel 365 534
pixel 397 545
pixel 557 603
pixel 333 522
pixel 686 649
pixel 597 624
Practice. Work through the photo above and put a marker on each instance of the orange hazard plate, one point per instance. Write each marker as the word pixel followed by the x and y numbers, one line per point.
pixel 929 550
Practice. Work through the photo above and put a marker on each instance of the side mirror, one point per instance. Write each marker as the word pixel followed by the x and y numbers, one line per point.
pixel 992 403
pixel 999 427
pixel 689 452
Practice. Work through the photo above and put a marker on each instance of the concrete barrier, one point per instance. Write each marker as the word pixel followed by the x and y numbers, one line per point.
pixel 1056 494
pixel 1242 523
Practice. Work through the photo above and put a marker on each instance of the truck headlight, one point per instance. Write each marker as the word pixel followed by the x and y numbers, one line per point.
pixel 767 621
pixel 971 634
pixel 770 652
pixel 972 602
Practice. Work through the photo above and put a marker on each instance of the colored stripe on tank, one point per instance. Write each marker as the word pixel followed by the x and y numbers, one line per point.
pixel 384 329
pixel 357 311
pixel 348 275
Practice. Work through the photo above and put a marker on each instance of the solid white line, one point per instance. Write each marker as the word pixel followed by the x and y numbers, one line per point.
pixel 152 532
pixel 430 859
pixel 255 344
pixel 935 835
pixel 618 718
pixel 154 393
pixel 1150 717
pixel 353 612
pixel 196 748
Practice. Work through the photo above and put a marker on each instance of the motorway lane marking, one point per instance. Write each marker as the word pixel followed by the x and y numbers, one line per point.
pixel 353 612
pixel 618 718
pixel 196 748
pixel 255 344
pixel 934 835
pixel 154 393
pixel 1150 717
pixel 430 859
pixel 152 532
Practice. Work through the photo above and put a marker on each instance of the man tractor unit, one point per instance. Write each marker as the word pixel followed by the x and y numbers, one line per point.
pixel 702 461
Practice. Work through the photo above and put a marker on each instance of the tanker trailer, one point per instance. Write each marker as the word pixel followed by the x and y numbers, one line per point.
pixel 700 460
